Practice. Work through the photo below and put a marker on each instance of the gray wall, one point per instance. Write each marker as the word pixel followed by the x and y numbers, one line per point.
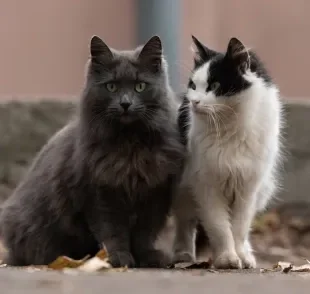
pixel 296 175
pixel 25 127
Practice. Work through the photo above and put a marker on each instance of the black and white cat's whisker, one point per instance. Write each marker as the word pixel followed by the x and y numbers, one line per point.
pixel 216 124
pixel 221 119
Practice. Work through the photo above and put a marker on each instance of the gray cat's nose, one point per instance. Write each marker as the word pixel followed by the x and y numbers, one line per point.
pixel 195 102
pixel 125 105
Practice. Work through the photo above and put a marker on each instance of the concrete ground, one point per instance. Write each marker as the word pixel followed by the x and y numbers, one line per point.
pixel 14 281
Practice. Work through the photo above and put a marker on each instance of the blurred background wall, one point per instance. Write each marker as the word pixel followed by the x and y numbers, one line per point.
pixel 278 30
pixel 44 44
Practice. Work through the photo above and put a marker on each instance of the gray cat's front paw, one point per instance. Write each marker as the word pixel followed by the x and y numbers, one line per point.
pixel 183 257
pixel 121 259
pixel 227 260
pixel 153 259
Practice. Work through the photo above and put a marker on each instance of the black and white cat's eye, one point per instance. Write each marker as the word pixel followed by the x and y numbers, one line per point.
pixel 111 87
pixel 192 85
pixel 140 87
pixel 214 86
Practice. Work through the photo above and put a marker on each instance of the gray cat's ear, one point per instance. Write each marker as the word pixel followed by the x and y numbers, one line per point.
pixel 202 53
pixel 151 54
pixel 99 49
pixel 239 54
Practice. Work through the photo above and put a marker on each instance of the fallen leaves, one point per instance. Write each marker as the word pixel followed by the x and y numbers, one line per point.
pixel 100 262
pixel 287 267
pixel 66 262
pixel 97 263
pixel 205 265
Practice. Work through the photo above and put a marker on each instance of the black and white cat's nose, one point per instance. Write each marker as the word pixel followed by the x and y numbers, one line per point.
pixel 195 102
pixel 125 105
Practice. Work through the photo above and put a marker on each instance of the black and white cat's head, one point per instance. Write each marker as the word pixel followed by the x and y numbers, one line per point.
pixel 219 78
pixel 125 86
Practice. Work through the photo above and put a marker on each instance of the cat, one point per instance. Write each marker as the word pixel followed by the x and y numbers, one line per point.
pixel 107 178
pixel 231 120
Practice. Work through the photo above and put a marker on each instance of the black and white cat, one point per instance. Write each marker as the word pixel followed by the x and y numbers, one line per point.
pixel 231 121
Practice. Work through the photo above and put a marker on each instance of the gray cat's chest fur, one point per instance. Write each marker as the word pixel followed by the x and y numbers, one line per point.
pixel 135 167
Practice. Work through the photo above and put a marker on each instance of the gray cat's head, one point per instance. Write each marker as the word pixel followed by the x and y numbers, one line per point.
pixel 126 87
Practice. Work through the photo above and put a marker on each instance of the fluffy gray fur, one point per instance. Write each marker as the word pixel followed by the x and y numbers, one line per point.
pixel 107 178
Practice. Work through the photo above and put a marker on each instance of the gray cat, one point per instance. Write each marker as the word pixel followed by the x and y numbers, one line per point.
pixel 107 178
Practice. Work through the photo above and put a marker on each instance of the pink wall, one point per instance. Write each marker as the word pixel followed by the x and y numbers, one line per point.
pixel 278 30
pixel 44 44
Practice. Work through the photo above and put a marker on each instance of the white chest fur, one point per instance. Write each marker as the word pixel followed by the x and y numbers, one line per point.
pixel 238 151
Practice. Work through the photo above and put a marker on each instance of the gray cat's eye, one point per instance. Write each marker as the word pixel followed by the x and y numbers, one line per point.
pixel 214 86
pixel 140 87
pixel 111 87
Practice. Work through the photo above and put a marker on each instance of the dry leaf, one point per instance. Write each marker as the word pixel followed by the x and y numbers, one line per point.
pixel 279 267
pixel 66 262
pixel 287 267
pixel 282 265
pixel 179 265
pixel 301 269
pixel 102 254
pixel 199 265
pixel 98 262
pixel 189 265
pixel 95 264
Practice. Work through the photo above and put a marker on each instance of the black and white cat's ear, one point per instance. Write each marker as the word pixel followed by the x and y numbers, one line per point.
pixel 202 53
pixel 99 49
pixel 239 54
pixel 151 54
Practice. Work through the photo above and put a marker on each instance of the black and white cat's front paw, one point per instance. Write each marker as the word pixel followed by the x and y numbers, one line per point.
pixel 153 259
pixel 227 260
pixel 247 258
pixel 183 256
pixel 244 251
pixel 121 259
